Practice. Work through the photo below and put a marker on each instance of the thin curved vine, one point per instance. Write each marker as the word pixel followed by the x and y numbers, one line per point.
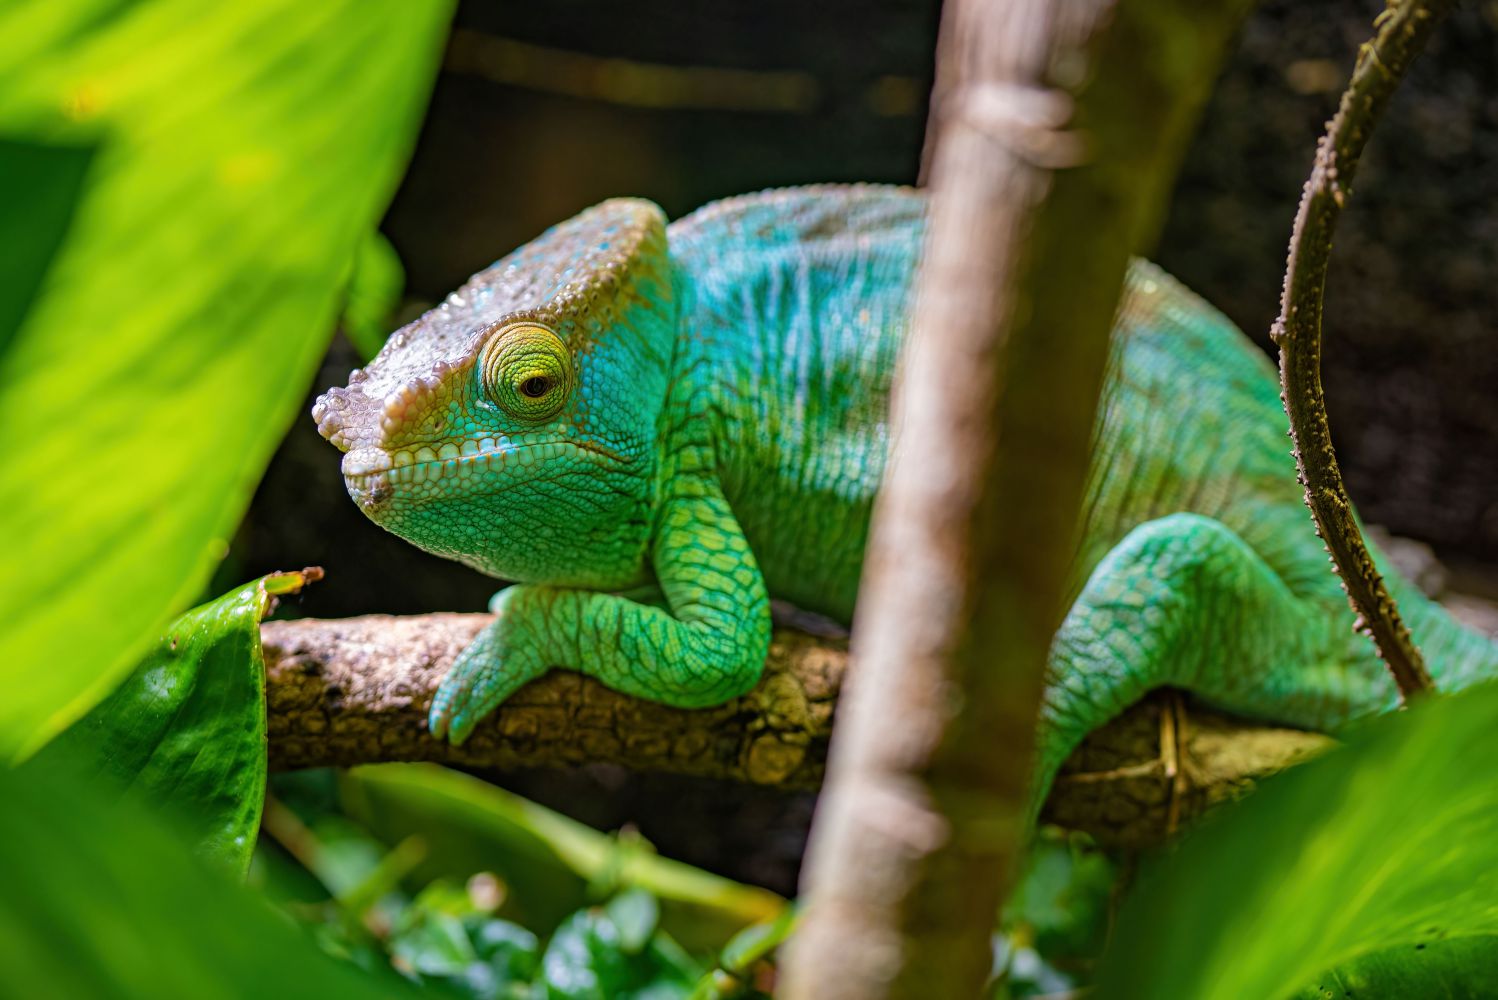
pixel 1401 31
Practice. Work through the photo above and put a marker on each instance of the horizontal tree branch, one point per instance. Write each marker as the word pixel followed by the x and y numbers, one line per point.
pixel 355 691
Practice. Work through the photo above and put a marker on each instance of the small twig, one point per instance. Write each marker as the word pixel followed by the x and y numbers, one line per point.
pixel 1401 32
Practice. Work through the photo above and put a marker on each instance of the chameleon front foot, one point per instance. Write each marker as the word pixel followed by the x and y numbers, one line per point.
pixel 707 645
pixel 484 675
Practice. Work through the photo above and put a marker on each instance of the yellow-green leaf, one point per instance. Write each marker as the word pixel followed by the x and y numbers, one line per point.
pixel 99 901
pixel 1390 841
pixel 1463 968
pixel 374 294
pixel 245 150
pixel 41 184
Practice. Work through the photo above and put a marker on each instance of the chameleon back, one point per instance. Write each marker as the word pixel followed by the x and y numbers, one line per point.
pixel 796 314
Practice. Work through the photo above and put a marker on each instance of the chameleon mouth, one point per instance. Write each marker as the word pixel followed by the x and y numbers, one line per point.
pixel 370 492
pixel 374 477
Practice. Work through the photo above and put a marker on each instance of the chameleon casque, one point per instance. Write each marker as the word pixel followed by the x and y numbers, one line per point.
pixel 653 428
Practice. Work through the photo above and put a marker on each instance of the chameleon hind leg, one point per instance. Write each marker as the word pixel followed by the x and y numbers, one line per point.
pixel 699 640
pixel 1184 601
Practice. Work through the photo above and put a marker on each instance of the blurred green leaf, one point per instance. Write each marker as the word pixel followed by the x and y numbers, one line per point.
pixel 735 974
pixel 755 943
pixel 1464 968
pixel 99 901
pixel 546 861
pixel 1390 841
pixel 636 913
pixel 584 960
pixel 675 970
pixel 374 293
pixel 433 943
pixel 510 950
pixel 587 959
pixel 1056 921
pixel 1024 972
pixel 345 858
pixel 1054 924
pixel 382 879
pixel 280 878
pixel 41 184
pixel 186 731
pixel 251 146
pixel 444 935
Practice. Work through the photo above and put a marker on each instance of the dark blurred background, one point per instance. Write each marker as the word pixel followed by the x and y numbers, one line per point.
pixel 544 109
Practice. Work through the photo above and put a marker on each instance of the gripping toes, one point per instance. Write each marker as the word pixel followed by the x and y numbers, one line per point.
pixel 455 707
pixel 486 673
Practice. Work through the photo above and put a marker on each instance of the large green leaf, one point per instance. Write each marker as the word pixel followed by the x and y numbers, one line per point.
pixel 98 901
pixel 41 184
pixel 1391 841
pixel 247 149
pixel 374 294
pixel 547 861
pixel 1464 968
pixel 186 731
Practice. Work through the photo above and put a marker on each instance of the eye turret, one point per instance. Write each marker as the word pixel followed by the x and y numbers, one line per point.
pixel 527 371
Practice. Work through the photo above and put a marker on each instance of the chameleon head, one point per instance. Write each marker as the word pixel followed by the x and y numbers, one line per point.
pixel 514 427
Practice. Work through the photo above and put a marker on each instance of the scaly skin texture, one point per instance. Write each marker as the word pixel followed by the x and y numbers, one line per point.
pixel 696 414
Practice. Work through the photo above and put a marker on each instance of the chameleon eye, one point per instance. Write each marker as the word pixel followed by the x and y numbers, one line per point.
pixel 535 387
pixel 527 370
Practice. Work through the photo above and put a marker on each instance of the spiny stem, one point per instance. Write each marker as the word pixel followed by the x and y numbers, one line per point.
pixel 1401 31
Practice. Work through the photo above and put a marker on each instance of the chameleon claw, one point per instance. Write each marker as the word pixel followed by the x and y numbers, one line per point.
pixel 460 728
pixel 437 718
pixel 443 720
pixel 451 714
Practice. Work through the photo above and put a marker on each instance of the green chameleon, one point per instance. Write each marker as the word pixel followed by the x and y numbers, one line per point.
pixel 653 428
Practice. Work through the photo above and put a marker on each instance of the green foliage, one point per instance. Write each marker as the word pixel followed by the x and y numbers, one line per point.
pixel 445 936
pixel 185 733
pixel 1463 968
pixel 594 956
pixel 755 943
pixel 1056 920
pixel 1389 843
pixel 635 913
pixel 245 151
pixel 101 901
pixel 32 227
pixel 456 931
pixel 550 865
pixel 374 292
pixel 747 954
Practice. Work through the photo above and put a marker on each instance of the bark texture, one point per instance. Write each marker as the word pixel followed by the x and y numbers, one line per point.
pixel 355 691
